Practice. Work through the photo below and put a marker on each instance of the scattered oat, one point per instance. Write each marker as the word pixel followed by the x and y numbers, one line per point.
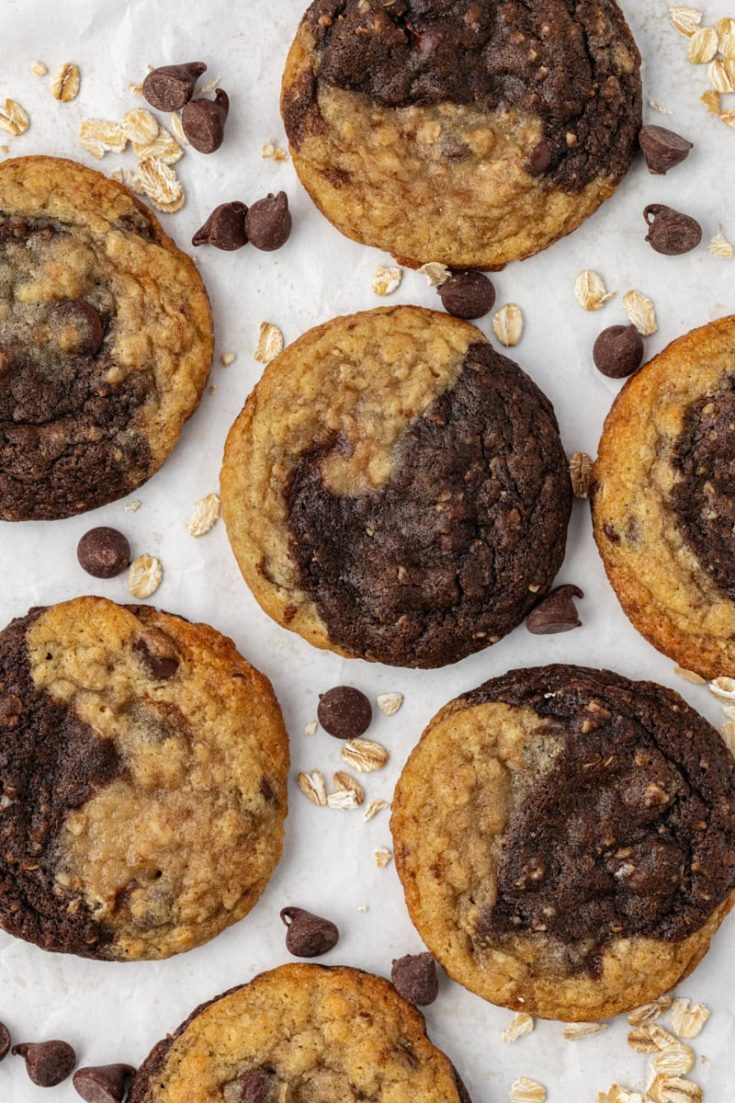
pixel 383 857
pixel 139 125
pixel 688 1018
pixel 65 82
pixel 711 101
pixel 580 470
pixel 617 1094
pixel 227 358
pixel 313 786
pixel 728 116
pixel 590 291
pixel 574 1031
pixel 685 20
pixel 508 325
pixel 267 151
pixel 343 799
pixel 209 87
pixel 13 118
pixel 728 734
pixel 702 46
pixel 160 184
pixel 373 808
pixel 177 128
pixel 39 69
pixel 386 280
pixel 656 105
pixel 641 312
pixel 524 1090
pixel 164 146
pixel 280 155
pixel 435 273
pixel 135 88
pixel 726 37
pixel 519 1027
pixel 689 675
pixel 389 703
pixel 206 512
pixel 346 781
pixel 310 728
pixel 134 506
pixel 649 1012
pixel 121 175
pixel 674 1089
pixel 364 755
pixel 270 343
pixel 723 688
pixel 100 136
pixel 719 76
pixel 674 1060
pixel 144 576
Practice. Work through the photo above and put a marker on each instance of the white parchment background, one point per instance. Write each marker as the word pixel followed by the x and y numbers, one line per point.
pixel 116 1012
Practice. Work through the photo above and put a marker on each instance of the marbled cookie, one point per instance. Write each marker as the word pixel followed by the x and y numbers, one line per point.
pixel 396 490
pixel 143 768
pixel 566 840
pixel 105 340
pixel 301 1034
pixel 471 132
pixel 663 494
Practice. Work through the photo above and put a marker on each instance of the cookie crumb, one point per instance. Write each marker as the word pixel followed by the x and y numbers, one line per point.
pixel 519 1026
pixel 383 857
pixel 227 358
pixel 657 106
pixel 436 273
pixel 134 506
pixel 389 703
pixel 310 728
pixel 386 280
pixel 204 517
pixel 270 343
pixel 144 576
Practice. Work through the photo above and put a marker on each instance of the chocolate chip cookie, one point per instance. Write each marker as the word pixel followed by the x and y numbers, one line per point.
pixel 566 840
pixel 396 490
pixel 301 1033
pixel 105 340
pixel 499 126
pixel 664 499
pixel 143 769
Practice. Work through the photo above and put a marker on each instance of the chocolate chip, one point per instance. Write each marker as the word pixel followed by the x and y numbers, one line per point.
pixel 556 613
pixel 225 227
pixel 268 223
pixel 344 712
pixel 663 149
pixel 414 977
pixel 156 654
pixel 540 159
pixel 308 935
pixel 4 1041
pixel 84 319
pixel 47 1063
pixel 104 1083
pixel 254 1086
pixel 467 294
pixel 670 232
pixel 204 121
pixel 169 87
pixel 103 552
pixel 618 351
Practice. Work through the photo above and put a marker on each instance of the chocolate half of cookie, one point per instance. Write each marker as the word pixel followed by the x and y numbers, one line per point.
pixel 592 823
pixel 125 733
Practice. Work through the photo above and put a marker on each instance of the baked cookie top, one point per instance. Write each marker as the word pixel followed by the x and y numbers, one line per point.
pixel 663 499
pixel 143 770
pixel 566 840
pixel 500 125
pixel 394 489
pixel 105 340
pixel 302 1034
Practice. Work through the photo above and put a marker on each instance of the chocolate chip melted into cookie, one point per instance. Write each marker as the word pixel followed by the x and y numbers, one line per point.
pixel 452 552
pixel 68 437
pixel 50 763
pixel 573 64
pixel 629 832
pixel 704 498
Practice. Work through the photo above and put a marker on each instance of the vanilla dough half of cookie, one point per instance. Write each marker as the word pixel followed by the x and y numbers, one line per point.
pixel 105 340
pixel 663 499
pixel 566 840
pixel 470 132
pixel 301 1034
pixel 396 490
pixel 143 773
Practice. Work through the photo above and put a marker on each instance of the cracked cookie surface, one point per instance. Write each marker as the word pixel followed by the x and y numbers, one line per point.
pixel 663 501
pixel 382 483
pixel 566 840
pixel 105 340
pixel 143 769
pixel 500 125
pixel 301 1034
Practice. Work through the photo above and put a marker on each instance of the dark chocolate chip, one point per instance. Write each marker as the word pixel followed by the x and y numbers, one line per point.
pixel 663 149
pixel 344 712
pixel 204 121
pixel 268 223
pixel 556 613
pixel 103 1083
pixel 160 666
pixel 467 294
pixel 4 1041
pixel 103 552
pixel 169 87
pixel 415 978
pixel 47 1063
pixel 618 351
pixel 225 227
pixel 670 232
pixel 308 935
pixel 85 319
pixel 540 159
pixel 255 1086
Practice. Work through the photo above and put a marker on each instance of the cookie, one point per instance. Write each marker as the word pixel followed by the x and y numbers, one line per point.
pixel 664 499
pixel 566 840
pixel 302 1033
pixel 396 490
pixel 499 126
pixel 105 340
pixel 143 770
